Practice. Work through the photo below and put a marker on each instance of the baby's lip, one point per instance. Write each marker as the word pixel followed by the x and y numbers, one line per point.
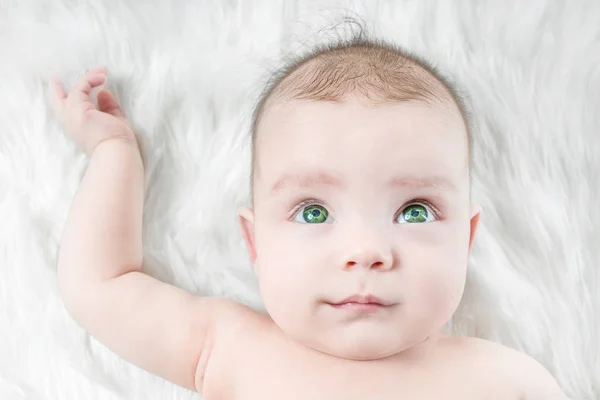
pixel 364 299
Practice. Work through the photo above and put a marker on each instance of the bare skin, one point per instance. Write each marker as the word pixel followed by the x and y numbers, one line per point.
pixel 270 366
pixel 366 173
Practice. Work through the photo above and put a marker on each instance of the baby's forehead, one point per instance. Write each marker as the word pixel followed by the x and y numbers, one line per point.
pixel 353 107
pixel 359 119
pixel 308 141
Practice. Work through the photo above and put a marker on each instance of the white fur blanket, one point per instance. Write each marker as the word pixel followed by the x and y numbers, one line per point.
pixel 187 74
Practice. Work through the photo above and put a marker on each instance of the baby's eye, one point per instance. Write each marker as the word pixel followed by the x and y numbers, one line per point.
pixel 312 214
pixel 415 213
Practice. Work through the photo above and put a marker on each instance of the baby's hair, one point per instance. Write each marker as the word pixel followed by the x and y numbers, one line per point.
pixel 377 70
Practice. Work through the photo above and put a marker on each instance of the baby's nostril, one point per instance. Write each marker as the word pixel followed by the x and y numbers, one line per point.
pixel 377 264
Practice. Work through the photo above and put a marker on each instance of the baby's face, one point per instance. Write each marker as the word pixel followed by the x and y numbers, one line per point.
pixel 360 200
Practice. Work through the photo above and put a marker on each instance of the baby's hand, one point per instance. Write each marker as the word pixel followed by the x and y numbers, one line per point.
pixel 85 124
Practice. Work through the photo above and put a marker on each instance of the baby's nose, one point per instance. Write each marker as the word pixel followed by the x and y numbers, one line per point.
pixel 369 257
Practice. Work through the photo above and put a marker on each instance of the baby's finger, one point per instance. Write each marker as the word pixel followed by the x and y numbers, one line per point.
pixel 57 93
pixel 81 91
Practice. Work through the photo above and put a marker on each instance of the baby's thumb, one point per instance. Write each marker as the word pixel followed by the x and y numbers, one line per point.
pixel 108 103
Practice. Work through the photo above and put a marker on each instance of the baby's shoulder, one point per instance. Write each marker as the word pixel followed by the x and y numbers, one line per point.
pixel 505 359
pixel 486 348
pixel 511 367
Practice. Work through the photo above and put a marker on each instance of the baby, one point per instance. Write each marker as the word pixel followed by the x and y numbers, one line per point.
pixel 360 233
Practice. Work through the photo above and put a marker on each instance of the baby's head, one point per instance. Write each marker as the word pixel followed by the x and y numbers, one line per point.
pixel 361 186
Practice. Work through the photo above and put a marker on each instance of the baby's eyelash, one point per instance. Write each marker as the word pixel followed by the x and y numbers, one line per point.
pixel 421 202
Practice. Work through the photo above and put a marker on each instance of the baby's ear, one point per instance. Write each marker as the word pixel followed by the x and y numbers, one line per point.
pixel 475 216
pixel 246 220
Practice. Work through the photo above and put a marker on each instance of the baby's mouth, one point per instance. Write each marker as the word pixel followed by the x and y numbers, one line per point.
pixel 362 304
pixel 362 308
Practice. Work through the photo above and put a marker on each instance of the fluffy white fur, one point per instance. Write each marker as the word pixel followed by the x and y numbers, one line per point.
pixel 187 74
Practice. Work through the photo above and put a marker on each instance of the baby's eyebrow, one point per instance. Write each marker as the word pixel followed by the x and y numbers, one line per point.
pixel 434 182
pixel 306 179
pixel 313 178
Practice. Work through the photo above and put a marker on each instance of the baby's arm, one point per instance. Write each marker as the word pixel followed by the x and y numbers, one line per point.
pixel 160 328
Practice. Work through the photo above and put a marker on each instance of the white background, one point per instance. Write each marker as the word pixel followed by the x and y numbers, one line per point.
pixel 188 74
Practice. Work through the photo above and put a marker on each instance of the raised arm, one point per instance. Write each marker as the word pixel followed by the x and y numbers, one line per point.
pixel 158 327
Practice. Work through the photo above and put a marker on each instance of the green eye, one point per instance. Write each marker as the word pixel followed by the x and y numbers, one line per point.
pixel 415 213
pixel 313 214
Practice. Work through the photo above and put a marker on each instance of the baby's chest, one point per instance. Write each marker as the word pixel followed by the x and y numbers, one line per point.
pixel 292 379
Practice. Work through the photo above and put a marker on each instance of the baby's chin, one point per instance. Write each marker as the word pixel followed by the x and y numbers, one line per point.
pixel 362 352
pixel 363 345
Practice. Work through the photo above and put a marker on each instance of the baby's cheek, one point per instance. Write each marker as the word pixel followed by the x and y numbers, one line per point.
pixel 281 281
pixel 441 289
pixel 286 298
